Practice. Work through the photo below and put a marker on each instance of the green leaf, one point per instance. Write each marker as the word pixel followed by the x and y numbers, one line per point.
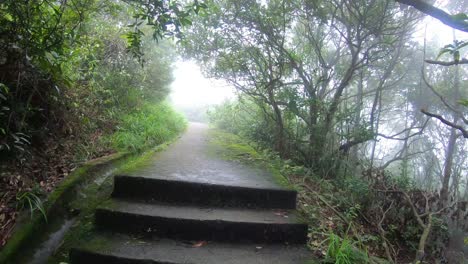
pixel 456 56
pixel 185 22
pixel 463 102
pixel 461 44
pixel 8 17
pixel 460 17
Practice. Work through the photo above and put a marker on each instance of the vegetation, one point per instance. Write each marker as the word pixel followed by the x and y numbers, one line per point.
pixel 367 122
pixel 80 79
pixel 150 125
pixel 373 115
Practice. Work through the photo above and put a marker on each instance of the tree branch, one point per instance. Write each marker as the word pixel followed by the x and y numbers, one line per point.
pixel 447 63
pixel 394 137
pixel 437 13
pixel 449 106
pixel 448 123
pixel 386 244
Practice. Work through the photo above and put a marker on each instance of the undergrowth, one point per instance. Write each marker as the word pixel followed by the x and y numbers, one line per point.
pixel 344 251
pixel 331 211
pixel 148 126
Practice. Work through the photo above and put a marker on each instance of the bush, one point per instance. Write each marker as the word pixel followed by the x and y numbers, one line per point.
pixel 148 126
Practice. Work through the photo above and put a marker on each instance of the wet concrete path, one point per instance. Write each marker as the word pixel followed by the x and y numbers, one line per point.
pixel 161 212
pixel 189 160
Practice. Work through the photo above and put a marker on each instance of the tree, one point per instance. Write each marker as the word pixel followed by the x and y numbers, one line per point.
pixel 458 21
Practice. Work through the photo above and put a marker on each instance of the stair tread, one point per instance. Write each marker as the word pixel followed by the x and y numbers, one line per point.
pixel 118 248
pixel 209 181
pixel 191 212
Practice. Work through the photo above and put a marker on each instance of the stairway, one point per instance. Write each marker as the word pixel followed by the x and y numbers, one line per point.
pixel 150 220
pixel 185 206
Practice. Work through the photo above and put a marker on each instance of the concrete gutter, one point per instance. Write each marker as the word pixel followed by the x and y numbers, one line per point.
pixel 27 230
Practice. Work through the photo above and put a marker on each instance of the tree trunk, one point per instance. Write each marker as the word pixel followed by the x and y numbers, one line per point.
pixel 280 141
pixel 452 146
pixel 357 124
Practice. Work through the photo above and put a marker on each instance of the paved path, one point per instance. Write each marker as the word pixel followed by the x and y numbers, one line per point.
pixel 188 160
pixel 161 212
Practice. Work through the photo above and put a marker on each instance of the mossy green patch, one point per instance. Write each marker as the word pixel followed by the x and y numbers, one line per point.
pixel 232 147
pixel 143 159
pixel 312 261
pixel 79 192
pixel 83 229
pixel 94 195
pixel 28 230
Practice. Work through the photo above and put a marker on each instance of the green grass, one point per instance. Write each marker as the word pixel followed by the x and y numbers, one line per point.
pixel 149 126
pixel 344 251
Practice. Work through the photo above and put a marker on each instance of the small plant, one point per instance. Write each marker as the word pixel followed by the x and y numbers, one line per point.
pixel 32 201
pixel 343 251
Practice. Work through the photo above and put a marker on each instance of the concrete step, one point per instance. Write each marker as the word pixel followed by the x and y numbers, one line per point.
pixel 196 223
pixel 122 249
pixel 199 193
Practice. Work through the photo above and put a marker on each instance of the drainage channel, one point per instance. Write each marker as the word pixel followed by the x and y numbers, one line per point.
pixel 52 243
pixel 56 230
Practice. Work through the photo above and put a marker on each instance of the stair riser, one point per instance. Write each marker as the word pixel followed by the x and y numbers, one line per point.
pixel 147 189
pixel 85 257
pixel 194 229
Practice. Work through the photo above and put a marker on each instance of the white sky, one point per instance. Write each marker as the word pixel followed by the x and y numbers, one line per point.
pixel 191 89
pixel 437 30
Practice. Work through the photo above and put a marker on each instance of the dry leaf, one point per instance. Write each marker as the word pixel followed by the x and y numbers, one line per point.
pixel 199 244
pixel 281 213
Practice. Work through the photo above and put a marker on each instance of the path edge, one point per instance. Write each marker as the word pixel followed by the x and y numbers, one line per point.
pixel 27 229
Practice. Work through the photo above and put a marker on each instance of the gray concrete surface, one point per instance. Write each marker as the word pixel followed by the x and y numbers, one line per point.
pixel 188 159
pixel 125 249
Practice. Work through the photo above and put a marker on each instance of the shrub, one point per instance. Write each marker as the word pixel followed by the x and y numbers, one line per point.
pixel 148 126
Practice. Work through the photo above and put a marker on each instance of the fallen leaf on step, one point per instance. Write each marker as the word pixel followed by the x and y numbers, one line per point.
pixel 281 213
pixel 199 244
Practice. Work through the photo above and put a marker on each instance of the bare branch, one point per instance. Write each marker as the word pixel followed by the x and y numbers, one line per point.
pixel 386 244
pixel 449 106
pixel 447 63
pixel 394 137
pixel 400 157
pixel 437 13
pixel 448 123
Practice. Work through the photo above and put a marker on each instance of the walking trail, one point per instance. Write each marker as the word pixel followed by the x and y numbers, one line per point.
pixel 187 206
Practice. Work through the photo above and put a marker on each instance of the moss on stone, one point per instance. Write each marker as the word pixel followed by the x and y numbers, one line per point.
pixel 313 261
pixel 82 231
pixel 28 231
pixel 234 148
pixel 143 159
pixel 94 195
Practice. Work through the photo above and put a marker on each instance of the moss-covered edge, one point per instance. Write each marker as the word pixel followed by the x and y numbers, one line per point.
pixel 81 235
pixel 232 147
pixel 25 231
